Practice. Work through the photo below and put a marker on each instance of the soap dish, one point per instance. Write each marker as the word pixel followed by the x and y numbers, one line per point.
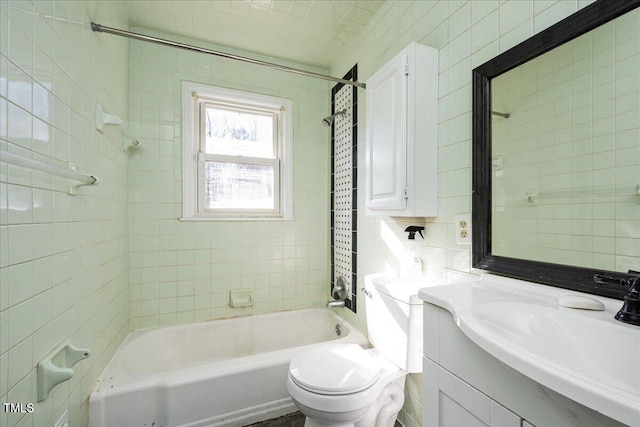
pixel 581 302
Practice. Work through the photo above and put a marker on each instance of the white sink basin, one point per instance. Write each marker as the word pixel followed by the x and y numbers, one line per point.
pixel 585 355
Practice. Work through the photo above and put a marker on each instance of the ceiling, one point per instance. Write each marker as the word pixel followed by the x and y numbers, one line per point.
pixel 311 32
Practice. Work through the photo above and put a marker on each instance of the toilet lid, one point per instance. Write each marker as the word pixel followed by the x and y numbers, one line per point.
pixel 335 369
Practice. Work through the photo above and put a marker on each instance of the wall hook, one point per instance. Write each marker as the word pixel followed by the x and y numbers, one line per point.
pixel 128 143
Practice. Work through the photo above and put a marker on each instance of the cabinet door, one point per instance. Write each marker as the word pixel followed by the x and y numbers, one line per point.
pixel 387 136
pixel 450 402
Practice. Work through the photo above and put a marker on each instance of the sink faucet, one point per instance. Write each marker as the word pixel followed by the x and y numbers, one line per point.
pixel 338 303
pixel 630 311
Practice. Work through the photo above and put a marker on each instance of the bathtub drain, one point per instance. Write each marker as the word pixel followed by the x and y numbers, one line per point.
pixel 338 329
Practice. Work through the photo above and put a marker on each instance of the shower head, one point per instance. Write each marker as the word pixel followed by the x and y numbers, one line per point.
pixel 328 121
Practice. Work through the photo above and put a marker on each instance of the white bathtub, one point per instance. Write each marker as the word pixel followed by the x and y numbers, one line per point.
pixel 228 372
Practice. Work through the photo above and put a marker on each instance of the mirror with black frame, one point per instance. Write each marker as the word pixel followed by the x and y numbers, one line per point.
pixel 556 154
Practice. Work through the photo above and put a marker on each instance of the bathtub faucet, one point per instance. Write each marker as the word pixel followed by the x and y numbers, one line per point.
pixel 339 293
pixel 337 303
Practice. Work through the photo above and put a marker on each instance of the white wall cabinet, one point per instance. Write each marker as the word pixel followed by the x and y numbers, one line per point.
pixel 463 385
pixel 402 135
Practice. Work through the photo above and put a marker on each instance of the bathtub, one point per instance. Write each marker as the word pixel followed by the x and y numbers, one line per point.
pixel 228 372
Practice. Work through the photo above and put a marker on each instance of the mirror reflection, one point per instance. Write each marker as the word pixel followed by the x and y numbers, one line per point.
pixel 566 160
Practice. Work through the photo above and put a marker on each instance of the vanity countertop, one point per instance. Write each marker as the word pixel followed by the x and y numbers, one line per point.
pixel 585 355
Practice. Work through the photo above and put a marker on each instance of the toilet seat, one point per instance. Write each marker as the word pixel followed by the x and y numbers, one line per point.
pixel 311 376
pixel 336 369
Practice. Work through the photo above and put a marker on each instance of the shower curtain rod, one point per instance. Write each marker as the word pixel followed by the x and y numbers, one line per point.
pixel 102 29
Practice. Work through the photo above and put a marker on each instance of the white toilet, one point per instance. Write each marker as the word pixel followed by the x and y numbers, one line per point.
pixel 344 385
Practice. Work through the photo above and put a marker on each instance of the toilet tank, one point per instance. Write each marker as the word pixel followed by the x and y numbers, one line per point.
pixel 394 319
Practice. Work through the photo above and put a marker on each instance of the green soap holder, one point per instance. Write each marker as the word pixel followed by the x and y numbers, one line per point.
pixel 55 368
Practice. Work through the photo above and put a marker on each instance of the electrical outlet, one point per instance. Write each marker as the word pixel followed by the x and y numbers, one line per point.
pixel 463 229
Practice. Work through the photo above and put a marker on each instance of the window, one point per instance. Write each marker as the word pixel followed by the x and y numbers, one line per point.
pixel 236 154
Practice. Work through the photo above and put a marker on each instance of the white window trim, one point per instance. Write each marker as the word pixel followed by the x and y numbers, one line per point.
pixel 191 149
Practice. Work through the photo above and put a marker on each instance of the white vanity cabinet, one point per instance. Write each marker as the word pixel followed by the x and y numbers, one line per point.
pixel 463 385
pixel 402 135
pixel 456 403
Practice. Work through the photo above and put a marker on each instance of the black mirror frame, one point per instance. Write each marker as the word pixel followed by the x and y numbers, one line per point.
pixel 563 276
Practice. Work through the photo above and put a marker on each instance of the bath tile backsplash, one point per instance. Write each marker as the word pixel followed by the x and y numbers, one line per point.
pixel 63 259
pixel 467 33
pixel 183 271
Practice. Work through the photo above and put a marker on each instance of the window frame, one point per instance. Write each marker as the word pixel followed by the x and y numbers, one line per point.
pixel 195 98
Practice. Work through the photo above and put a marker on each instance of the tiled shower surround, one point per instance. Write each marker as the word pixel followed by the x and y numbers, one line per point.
pixel 73 284
pixel 183 271
pixel 344 188
pixel 63 259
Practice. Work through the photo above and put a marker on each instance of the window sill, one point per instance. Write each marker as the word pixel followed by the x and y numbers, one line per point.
pixel 227 219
